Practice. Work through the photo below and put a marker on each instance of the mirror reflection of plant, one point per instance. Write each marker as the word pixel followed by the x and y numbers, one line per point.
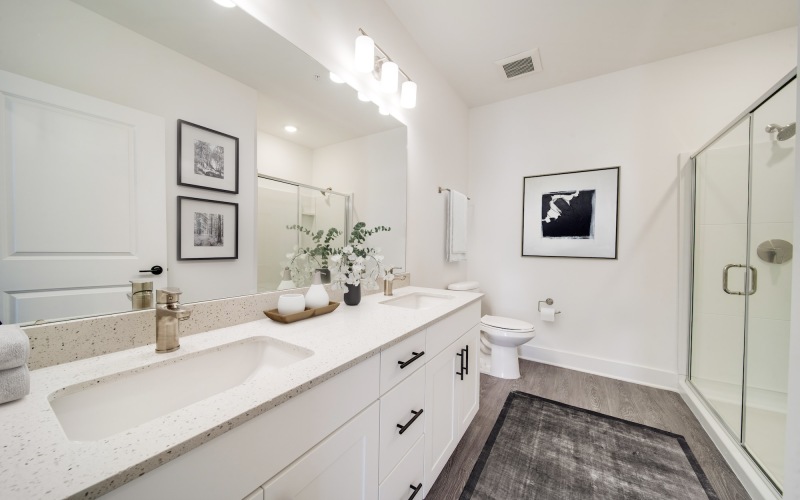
pixel 321 249
pixel 350 264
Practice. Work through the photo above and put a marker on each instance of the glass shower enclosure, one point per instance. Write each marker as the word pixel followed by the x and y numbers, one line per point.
pixel 742 269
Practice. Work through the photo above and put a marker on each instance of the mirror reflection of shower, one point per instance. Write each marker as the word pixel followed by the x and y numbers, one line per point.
pixel 784 133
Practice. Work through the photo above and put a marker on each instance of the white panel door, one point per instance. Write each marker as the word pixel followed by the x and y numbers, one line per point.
pixel 441 421
pixel 469 388
pixel 83 201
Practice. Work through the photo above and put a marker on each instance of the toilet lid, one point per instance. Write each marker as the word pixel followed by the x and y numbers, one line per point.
pixel 506 323
pixel 463 285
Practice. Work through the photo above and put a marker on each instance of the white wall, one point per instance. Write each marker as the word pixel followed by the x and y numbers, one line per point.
pixel 437 127
pixel 283 159
pixel 63 44
pixel 792 469
pixel 618 316
pixel 374 168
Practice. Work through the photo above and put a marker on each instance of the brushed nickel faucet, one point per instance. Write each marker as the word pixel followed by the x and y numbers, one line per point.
pixel 169 312
pixel 387 284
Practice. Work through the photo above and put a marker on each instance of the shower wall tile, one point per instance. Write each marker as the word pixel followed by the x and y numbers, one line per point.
pixel 720 245
pixel 772 300
pixel 767 354
pixel 723 185
pixel 773 182
pixel 718 347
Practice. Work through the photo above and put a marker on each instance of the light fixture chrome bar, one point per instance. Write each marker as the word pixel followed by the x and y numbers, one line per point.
pixel 386 56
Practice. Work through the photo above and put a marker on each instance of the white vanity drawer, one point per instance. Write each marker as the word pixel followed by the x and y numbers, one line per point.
pixel 446 331
pixel 402 359
pixel 406 478
pixel 397 410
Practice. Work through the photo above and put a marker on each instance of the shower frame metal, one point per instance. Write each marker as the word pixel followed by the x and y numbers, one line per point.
pixel 747 114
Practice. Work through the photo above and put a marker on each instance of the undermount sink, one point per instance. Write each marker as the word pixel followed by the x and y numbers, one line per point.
pixel 418 300
pixel 100 408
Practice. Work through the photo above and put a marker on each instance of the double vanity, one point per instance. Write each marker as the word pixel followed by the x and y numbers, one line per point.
pixel 367 402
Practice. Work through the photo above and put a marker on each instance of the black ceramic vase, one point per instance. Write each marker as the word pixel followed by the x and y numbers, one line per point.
pixel 353 295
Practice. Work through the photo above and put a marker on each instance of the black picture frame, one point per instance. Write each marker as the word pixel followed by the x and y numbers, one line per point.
pixel 205 156
pixel 205 231
pixel 571 214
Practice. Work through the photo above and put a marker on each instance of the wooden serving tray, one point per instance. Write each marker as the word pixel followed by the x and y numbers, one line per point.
pixel 308 313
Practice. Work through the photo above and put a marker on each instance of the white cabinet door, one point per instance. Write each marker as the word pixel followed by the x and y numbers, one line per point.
pixel 441 422
pixel 469 389
pixel 82 201
pixel 343 465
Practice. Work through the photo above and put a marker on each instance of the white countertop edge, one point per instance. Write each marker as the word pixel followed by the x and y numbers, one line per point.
pixel 40 462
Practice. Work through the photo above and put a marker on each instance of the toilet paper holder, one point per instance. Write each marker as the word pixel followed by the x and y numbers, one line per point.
pixel 547 301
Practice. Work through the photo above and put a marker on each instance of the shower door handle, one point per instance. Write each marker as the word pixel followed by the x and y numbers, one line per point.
pixel 753 281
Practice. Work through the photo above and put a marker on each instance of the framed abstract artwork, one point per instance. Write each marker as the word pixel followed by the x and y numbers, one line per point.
pixel 571 214
pixel 207 159
pixel 207 229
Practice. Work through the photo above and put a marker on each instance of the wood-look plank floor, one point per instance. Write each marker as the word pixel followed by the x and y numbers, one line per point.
pixel 637 403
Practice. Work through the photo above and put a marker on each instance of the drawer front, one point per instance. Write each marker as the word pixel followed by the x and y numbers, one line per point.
pixel 400 360
pixel 397 407
pixel 448 330
pixel 406 477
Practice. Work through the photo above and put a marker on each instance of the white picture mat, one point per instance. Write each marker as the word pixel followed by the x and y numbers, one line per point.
pixel 189 134
pixel 187 208
pixel 604 244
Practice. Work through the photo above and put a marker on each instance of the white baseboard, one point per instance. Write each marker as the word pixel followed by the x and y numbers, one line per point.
pixel 637 374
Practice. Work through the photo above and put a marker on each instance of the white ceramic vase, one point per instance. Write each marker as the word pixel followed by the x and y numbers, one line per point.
pixel 317 296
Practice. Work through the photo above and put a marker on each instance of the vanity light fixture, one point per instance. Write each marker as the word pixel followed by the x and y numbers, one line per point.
pixel 370 58
pixel 226 3
pixel 290 128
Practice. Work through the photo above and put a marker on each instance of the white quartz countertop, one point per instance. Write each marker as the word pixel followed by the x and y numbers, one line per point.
pixel 37 460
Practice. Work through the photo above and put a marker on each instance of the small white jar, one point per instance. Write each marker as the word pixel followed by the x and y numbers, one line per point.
pixel 291 303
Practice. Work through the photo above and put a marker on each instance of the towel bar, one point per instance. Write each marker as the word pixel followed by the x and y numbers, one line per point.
pixel 448 189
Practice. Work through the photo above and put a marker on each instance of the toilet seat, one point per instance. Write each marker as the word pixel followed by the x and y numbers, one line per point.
pixel 502 323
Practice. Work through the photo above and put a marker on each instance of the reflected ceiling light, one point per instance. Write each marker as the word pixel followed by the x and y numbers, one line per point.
pixel 335 78
pixel 365 54
pixel 383 110
pixel 408 94
pixel 363 97
pixel 226 3
pixel 389 74
pixel 290 128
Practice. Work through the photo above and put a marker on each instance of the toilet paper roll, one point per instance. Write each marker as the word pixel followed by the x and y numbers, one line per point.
pixel 548 314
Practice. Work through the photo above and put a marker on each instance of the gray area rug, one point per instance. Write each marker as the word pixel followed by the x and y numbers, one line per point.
pixel 543 449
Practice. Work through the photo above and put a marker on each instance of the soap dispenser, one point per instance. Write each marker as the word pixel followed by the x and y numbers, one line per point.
pixel 286 280
pixel 317 296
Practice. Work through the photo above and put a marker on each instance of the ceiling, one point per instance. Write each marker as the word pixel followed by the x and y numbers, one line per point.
pixel 293 87
pixel 577 39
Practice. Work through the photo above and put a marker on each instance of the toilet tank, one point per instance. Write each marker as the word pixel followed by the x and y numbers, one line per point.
pixel 464 286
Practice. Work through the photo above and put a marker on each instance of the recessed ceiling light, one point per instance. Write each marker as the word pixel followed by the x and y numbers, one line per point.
pixel 226 3
pixel 290 128
pixel 335 78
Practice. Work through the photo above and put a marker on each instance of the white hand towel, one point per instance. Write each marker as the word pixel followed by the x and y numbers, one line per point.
pixel 14 383
pixel 15 347
pixel 456 237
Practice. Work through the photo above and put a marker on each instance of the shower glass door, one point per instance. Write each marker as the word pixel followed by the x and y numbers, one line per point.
pixel 721 275
pixel 742 268
pixel 767 359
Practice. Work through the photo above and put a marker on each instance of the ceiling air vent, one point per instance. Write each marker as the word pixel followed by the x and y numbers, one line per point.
pixel 520 64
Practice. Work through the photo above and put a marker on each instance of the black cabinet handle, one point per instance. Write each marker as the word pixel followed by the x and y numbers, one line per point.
pixel 461 364
pixel 417 355
pixel 155 270
pixel 466 361
pixel 403 428
pixel 416 490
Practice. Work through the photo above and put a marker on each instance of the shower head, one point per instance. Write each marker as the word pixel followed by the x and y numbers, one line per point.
pixel 786 132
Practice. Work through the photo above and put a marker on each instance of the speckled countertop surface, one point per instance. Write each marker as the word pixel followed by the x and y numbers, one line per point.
pixel 38 461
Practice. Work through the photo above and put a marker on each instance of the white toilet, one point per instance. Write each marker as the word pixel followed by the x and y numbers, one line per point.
pixel 501 337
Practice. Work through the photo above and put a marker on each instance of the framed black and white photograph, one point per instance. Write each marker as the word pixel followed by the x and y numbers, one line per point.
pixel 207 159
pixel 572 214
pixel 207 229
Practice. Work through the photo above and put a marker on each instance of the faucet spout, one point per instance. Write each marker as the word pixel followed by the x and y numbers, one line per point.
pixel 387 283
pixel 169 313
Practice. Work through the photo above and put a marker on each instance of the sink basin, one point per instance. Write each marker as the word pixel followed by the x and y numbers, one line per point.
pixel 100 408
pixel 418 300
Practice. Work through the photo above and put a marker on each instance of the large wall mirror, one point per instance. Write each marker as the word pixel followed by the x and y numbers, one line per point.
pixel 113 77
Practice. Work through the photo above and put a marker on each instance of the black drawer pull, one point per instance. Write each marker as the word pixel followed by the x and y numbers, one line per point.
pixel 416 490
pixel 417 355
pixel 403 428
pixel 461 364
